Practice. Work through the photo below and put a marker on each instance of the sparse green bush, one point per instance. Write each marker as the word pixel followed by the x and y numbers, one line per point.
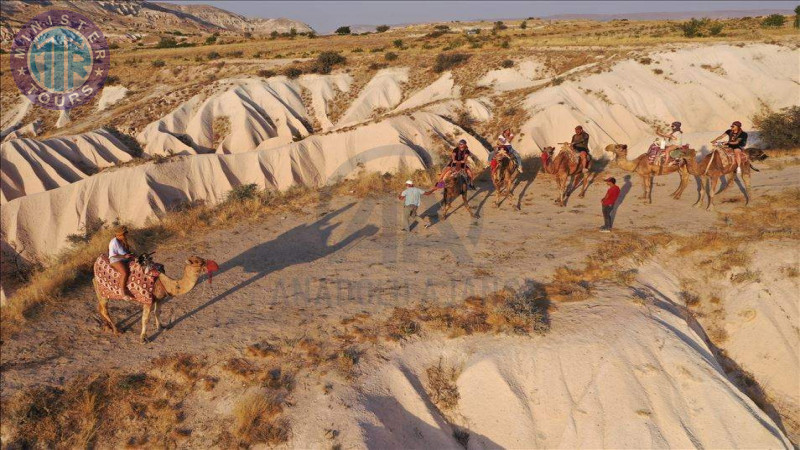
pixel 716 28
pixel 446 61
pixel 213 55
pixel 111 80
pixel 357 50
pixel 693 27
pixel 382 28
pixel 242 192
pixel 658 71
pixel 326 60
pixel 557 81
pixel 441 28
pixel 504 44
pixel 499 25
pixel 343 30
pixel 523 25
pixel 774 20
pixel 507 64
pixel 390 56
pixel 211 40
pixel 398 43
pixel 159 63
pixel 645 61
pixel 779 129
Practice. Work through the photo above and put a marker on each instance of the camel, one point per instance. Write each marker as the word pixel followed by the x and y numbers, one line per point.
pixel 504 175
pixel 716 166
pixel 455 185
pixel 647 171
pixel 164 287
pixel 565 166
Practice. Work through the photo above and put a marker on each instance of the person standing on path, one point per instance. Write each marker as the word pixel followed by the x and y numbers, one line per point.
pixel 412 196
pixel 608 203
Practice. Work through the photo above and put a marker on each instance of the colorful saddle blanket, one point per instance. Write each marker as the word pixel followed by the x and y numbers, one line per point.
pixel 141 280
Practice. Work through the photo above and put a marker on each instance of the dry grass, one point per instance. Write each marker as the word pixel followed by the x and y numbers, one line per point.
pixel 441 386
pixel 136 408
pixel 258 420
pixel 505 311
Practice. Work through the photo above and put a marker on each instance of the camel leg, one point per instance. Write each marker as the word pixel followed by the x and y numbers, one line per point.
pixel 155 315
pixel 746 180
pixel 145 317
pixel 102 306
pixel 445 207
pixel 585 185
pixel 701 193
pixel 644 188
pixel 711 192
pixel 466 204
pixel 684 180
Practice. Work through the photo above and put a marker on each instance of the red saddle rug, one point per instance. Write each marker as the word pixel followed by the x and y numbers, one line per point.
pixel 140 282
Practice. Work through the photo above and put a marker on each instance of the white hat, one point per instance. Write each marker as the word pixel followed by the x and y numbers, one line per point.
pixel 409 182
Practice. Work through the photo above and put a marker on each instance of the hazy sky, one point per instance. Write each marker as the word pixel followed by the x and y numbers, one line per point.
pixel 325 16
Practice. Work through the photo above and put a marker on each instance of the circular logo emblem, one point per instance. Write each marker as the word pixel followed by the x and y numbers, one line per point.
pixel 59 59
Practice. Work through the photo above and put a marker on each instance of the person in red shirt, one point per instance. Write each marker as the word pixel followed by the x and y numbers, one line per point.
pixel 608 203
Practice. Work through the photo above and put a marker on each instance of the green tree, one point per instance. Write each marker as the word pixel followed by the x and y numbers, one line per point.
pixel 398 43
pixel 343 30
pixel 797 16
pixel 523 25
pixel 382 28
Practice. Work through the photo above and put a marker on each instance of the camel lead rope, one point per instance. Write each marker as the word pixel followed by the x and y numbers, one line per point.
pixel 709 162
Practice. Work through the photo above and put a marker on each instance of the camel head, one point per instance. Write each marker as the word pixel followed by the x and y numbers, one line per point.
pixel 549 150
pixel 197 265
pixel 617 149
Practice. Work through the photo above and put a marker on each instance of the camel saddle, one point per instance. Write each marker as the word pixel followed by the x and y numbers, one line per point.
pixel 141 281
pixel 728 155
pixel 656 156
pixel 499 155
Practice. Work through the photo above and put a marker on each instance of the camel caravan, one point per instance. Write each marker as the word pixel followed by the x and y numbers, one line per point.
pixel 121 275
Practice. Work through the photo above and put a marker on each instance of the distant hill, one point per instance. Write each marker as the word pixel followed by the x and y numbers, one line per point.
pixel 672 15
pixel 138 16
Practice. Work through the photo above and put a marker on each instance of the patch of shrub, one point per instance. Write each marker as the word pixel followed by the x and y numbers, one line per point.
pixel 266 73
pixel 645 61
pixel 292 72
pixel 357 50
pixel 213 55
pixel 779 129
pixel 159 63
pixel 693 27
pixel 242 192
pixel 507 64
pixel 376 50
pixel 112 80
pixel 557 81
pixel 390 56
pixel 716 28
pixel 505 43
pixel 211 40
pixel 382 28
pixel 774 20
pixel 446 61
pixel 523 25
pixel 343 30
pixel 377 66
pixel 441 28
pixel 499 25
pixel 658 71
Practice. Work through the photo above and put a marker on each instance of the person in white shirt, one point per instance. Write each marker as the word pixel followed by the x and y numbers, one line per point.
pixel 672 141
pixel 412 196
pixel 504 140
pixel 119 255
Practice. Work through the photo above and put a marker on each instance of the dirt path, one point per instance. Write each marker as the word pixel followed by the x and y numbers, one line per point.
pixel 296 273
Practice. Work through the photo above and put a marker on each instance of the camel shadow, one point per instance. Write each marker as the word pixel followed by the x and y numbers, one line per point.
pixel 300 245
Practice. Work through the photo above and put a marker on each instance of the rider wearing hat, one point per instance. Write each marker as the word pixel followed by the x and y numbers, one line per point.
pixel 580 145
pixel 737 139
pixel 119 255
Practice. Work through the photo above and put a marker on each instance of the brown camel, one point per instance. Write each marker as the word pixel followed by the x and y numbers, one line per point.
pixel 641 165
pixel 715 166
pixel 566 166
pixel 164 287
pixel 504 175
pixel 454 186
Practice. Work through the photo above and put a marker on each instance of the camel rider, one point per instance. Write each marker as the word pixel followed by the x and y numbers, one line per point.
pixel 737 139
pixel 119 255
pixel 580 145
pixel 504 141
pixel 458 161
pixel 671 142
